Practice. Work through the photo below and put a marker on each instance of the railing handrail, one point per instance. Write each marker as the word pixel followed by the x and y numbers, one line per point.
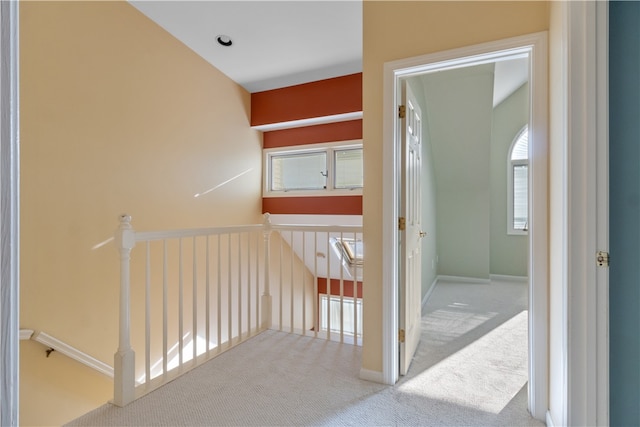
pixel 320 228
pixel 147 236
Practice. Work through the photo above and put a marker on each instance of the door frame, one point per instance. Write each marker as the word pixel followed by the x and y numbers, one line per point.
pixel 535 45
pixel 586 293
pixel 9 214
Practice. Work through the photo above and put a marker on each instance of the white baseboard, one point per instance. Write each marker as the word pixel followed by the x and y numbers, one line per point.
pixel 373 376
pixel 549 420
pixel 462 279
pixel 507 278
pixel 428 293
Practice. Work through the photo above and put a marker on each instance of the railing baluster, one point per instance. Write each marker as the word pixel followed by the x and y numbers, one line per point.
pixel 240 286
pixel 291 284
pixel 194 331
pixel 147 315
pixel 315 285
pixel 229 296
pixel 267 300
pixel 328 286
pixel 219 300
pixel 341 291
pixel 207 298
pixel 165 310
pixel 180 305
pixel 257 292
pixel 304 294
pixel 281 277
pixel 248 284
pixel 354 276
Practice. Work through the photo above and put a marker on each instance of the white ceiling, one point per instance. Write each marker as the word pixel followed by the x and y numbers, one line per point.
pixel 275 43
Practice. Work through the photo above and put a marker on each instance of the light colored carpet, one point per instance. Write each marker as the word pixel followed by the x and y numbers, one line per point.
pixel 470 369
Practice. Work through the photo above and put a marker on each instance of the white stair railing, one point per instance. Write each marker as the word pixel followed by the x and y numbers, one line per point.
pixel 318 269
pixel 207 290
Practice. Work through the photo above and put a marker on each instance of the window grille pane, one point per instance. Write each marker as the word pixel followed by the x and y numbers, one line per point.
pixel 520 197
pixel 348 168
pixel 347 303
pixel 305 171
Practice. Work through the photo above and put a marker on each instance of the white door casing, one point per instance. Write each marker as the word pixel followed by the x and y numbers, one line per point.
pixel 534 46
pixel 9 214
pixel 410 238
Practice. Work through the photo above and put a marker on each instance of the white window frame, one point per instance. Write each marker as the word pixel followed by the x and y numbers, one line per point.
pixel 510 165
pixel 329 148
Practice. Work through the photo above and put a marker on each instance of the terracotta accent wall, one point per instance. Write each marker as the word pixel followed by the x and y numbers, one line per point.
pixel 337 205
pixel 339 131
pixel 335 287
pixel 316 99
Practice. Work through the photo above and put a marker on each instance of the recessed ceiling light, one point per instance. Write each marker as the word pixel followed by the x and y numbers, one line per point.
pixel 224 40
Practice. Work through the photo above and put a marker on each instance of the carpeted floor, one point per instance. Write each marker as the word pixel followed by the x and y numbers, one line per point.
pixel 469 370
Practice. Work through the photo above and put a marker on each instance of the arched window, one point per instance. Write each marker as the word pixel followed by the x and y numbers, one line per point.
pixel 518 184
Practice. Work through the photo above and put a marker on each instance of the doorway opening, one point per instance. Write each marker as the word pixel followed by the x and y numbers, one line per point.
pixel 532 49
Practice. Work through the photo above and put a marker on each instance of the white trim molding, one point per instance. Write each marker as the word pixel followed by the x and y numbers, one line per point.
pixel 508 278
pixel 587 301
pixel 335 118
pixel 462 279
pixel 429 291
pixel 533 46
pixel 73 353
pixel 9 213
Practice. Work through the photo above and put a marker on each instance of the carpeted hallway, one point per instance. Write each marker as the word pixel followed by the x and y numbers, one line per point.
pixel 470 370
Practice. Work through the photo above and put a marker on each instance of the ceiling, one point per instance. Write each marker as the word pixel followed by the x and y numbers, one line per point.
pixel 275 43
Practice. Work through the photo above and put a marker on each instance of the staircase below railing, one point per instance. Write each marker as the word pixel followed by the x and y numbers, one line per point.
pixel 200 292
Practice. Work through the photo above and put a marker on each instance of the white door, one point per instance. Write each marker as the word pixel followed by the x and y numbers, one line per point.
pixel 410 282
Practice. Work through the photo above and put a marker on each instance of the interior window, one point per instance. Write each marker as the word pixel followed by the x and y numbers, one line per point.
pixel 518 184
pixel 304 171
pixel 348 168
pixel 331 168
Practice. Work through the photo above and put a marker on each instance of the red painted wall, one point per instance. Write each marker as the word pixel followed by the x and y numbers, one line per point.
pixel 339 131
pixel 316 99
pixel 335 287
pixel 336 205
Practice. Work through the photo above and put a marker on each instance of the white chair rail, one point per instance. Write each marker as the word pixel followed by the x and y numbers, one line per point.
pixel 192 294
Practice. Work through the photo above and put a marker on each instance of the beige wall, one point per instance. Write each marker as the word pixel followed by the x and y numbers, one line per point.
pixel 395 30
pixel 117 116
pixel 56 389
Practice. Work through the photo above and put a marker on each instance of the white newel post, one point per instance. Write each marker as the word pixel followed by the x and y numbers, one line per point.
pixel 266 296
pixel 124 359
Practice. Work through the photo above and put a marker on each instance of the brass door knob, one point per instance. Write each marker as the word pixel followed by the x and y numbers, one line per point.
pixel 423 234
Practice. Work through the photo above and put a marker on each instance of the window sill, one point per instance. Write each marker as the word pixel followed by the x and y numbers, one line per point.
pixel 313 193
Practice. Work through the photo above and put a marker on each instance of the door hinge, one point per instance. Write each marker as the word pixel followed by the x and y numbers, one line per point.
pixel 401 335
pixel 602 259
pixel 402 111
pixel 402 223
